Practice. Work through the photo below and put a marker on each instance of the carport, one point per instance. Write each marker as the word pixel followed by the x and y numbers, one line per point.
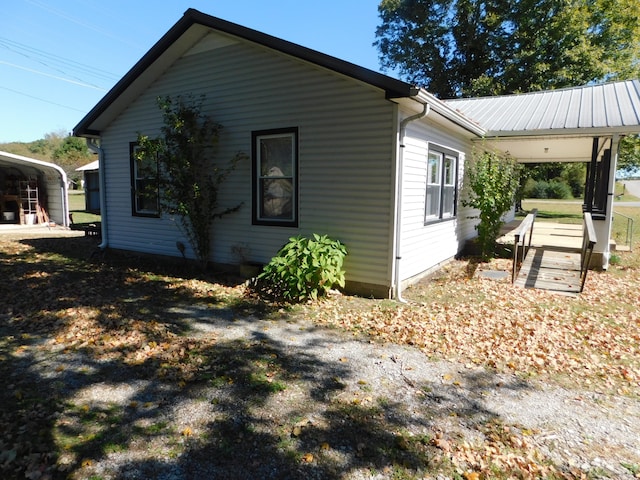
pixel 582 124
pixel 32 191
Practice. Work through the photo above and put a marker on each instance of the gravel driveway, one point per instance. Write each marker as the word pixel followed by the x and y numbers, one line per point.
pixel 579 431
pixel 351 403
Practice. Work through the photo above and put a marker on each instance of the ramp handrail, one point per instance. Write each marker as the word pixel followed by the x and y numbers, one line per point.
pixel 524 230
pixel 588 242
pixel 629 234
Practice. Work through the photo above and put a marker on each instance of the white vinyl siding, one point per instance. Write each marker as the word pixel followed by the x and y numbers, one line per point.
pixel 346 149
pixel 424 245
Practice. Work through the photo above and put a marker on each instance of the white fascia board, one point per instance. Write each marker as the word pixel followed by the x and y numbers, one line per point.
pixel 446 111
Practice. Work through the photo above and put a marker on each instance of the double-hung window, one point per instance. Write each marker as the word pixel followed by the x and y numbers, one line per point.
pixel 275 177
pixel 442 174
pixel 145 201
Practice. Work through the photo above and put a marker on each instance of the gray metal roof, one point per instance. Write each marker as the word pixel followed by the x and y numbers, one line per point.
pixel 610 107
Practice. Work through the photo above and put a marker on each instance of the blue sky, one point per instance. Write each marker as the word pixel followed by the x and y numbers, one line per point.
pixel 58 58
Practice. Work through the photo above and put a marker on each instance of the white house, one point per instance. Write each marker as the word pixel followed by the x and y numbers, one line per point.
pixel 364 158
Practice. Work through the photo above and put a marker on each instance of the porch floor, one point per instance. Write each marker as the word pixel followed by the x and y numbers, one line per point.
pixel 553 261
pixel 547 234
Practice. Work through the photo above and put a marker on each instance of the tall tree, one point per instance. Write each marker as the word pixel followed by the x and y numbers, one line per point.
pixel 486 47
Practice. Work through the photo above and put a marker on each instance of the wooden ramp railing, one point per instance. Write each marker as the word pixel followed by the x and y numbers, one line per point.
pixel 549 264
pixel 588 242
pixel 520 244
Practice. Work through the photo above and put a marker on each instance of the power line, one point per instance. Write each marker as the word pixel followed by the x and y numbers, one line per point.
pixel 45 74
pixel 49 60
pixel 42 99
pixel 82 23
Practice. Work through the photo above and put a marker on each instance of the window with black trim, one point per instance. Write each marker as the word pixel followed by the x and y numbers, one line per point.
pixel 145 201
pixel 442 185
pixel 275 177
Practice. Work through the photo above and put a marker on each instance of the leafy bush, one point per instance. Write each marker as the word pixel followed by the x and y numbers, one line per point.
pixel 492 183
pixel 544 189
pixel 559 190
pixel 527 188
pixel 540 190
pixel 305 268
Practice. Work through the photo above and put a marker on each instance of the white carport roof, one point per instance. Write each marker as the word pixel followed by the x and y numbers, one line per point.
pixel 555 125
pixel 53 176
pixel 89 166
pixel 31 166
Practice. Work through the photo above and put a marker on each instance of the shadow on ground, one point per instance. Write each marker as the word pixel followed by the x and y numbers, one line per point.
pixel 105 377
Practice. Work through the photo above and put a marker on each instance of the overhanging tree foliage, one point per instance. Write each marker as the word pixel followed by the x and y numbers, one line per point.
pixel 487 47
pixel 629 158
pixel 189 175
pixel 458 48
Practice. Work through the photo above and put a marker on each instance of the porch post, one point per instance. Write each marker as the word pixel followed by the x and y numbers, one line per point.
pixel 603 231
pixel 615 143
pixel 591 176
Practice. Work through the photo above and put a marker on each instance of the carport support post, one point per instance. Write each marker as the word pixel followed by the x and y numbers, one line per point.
pixel 603 229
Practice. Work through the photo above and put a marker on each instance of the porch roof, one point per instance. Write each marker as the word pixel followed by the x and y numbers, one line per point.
pixel 556 125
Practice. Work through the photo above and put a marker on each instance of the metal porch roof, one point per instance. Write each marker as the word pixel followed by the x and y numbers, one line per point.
pixel 555 125
pixel 592 109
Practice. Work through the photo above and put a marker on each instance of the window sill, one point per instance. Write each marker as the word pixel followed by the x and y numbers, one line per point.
pixel 438 220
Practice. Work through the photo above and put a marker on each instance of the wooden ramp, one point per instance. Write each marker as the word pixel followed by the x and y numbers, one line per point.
pixel 551 268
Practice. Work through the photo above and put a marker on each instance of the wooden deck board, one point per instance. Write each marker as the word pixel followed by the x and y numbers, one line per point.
pixel 552 269
pixel 547 234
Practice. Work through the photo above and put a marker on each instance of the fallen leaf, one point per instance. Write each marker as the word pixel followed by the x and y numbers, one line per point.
pixel 442 444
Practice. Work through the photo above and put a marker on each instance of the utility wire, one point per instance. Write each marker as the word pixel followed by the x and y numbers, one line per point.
pixel 45 74
pixel 45 58
pixel 82 23
pixel 42 99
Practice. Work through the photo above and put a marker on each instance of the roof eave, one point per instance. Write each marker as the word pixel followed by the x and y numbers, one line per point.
pixel 84 127
pixel 392 87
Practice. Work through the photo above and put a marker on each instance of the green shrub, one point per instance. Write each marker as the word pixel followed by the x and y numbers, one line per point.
pixel 540 190
pixel 528 188
pixel 304 269
pixel 559 190
pixel 543 189
pixel 492 184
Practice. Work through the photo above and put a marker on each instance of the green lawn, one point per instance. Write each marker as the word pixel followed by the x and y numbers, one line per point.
pixel 77 209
